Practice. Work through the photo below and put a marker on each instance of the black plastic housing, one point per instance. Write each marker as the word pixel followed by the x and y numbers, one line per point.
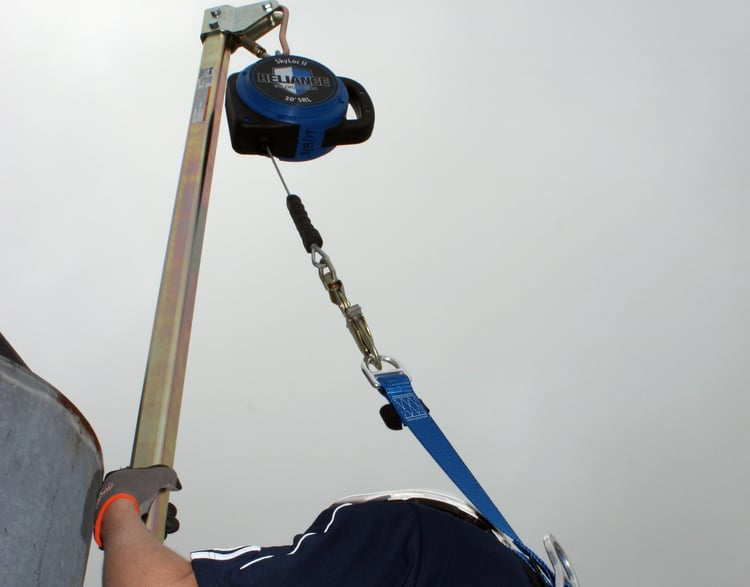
pixel 251 132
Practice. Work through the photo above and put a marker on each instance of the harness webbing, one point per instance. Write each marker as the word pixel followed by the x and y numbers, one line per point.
pixel 397 388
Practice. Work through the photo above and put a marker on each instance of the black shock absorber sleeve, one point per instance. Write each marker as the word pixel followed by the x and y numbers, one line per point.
pixel 307 232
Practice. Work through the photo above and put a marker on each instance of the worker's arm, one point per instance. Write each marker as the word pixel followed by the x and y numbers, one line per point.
pixel 132 556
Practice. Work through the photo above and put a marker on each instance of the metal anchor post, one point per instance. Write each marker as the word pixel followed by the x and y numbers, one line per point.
pixel 224 29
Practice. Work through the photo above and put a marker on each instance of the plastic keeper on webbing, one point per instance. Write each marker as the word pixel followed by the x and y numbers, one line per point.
pixel 296 107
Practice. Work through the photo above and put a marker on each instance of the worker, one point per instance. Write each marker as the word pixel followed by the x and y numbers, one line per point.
pixel 409 539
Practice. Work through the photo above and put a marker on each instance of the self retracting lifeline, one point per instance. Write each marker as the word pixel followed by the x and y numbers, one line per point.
pixel 295 107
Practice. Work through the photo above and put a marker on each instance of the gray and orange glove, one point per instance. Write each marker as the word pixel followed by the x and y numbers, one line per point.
pixel 140 487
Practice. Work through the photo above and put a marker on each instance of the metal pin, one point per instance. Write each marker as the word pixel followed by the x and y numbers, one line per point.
pixel 278 171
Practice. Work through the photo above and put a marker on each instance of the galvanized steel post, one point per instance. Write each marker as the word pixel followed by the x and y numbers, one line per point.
pixel 224 29
pixel 158 418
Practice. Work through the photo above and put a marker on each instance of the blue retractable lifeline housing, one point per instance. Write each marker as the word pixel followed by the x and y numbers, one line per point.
pixel 296 107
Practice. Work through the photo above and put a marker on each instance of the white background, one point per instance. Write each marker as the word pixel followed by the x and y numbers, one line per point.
pixel 549 227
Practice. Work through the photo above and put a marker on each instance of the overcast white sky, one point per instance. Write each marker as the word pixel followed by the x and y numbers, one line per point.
pixel 549 227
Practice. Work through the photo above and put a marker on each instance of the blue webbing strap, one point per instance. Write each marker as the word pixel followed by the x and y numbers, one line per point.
pixel 396 387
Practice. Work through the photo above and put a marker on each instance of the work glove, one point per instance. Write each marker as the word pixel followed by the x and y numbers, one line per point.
pixel 171 524
pixel 139 486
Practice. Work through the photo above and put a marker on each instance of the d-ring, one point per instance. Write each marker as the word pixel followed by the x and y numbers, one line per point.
pixel 367 363
pixel 564 573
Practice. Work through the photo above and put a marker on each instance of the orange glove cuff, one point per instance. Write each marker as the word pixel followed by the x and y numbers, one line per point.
pixel 105 505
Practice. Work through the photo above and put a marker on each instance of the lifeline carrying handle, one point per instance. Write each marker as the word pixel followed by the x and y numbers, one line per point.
pixel 357 130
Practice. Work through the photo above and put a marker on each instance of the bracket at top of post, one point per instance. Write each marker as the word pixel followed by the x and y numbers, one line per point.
pixel 242 25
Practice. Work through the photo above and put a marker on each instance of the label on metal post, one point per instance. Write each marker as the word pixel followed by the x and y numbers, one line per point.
pixel 202 94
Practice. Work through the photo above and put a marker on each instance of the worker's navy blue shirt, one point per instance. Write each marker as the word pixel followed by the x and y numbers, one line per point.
pixel 376 544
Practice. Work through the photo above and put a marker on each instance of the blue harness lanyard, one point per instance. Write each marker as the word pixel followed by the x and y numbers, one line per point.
pixel 396 387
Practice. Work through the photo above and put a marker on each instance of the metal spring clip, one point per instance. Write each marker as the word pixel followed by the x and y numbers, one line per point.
pixel 355 319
